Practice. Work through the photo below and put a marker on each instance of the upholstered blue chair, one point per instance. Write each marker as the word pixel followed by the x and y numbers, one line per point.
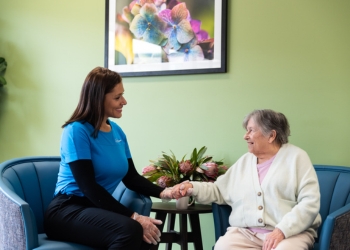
pixel 26 189
pixel 334 232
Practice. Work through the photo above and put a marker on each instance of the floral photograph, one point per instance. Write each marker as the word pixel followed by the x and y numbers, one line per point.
pixel 151 35
pixel 167 170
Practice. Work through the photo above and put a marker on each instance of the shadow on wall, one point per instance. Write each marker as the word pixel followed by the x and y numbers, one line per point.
pixel 3 82
pixel 20 110
pixel 3 100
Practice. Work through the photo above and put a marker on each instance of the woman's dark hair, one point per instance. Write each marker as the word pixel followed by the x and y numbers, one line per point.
pixel 99 82
pixel 268 120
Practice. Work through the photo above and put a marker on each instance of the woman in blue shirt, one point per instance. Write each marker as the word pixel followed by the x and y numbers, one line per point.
pixel 95 158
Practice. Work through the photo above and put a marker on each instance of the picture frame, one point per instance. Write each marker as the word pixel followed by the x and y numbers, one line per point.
pixel 165 37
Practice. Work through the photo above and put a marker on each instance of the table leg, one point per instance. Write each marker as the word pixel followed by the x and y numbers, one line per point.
pixel 170 228
pixel 183 232
pixel 159 216
pixel 196 230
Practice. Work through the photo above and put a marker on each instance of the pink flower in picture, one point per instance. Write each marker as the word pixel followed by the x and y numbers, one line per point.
pixel 201 34
pixel 179 27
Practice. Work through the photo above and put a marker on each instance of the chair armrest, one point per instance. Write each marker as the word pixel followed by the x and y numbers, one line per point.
pixel 336 230
pixel 139 203
pixel 18 224
pixel 221 213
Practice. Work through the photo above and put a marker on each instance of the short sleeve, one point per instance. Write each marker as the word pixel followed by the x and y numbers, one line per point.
pixel 75 142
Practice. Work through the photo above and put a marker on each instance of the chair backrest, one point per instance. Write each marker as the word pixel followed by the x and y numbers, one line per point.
pixel 334 184
pixel 33 179
pixel 334 187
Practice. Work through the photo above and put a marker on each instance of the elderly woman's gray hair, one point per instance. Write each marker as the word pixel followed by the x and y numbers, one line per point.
pixel 268 120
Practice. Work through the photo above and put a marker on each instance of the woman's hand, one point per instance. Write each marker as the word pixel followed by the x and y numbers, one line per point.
pixel 183 189
pixel 151 233
pixel 272 239
pixel 166 194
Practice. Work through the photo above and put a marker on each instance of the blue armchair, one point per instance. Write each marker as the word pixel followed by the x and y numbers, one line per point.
pixel 334 232
pixel 26 189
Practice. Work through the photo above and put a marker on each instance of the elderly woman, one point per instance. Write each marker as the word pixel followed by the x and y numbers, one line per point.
pixel 273 190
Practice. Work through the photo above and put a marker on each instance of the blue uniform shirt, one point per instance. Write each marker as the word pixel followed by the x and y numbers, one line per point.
pixel 109 153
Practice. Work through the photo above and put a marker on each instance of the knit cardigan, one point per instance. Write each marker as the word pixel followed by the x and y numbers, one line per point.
pixel 288 198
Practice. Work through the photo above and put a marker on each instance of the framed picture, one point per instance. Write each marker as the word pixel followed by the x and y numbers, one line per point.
pixel 165 37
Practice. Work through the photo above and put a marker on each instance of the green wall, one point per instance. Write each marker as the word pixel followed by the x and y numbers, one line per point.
pixel 290 56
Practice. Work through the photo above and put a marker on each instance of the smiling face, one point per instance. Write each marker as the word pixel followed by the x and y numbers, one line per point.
pixel 258 143
pixel 114 102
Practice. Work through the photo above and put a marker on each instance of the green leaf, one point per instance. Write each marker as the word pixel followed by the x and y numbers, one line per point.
pixel 154 177
pixel 2 81
pixel 161 164
pixel 207 159
pixel 150 173
pixel 194 157
pixel 201 152
pixel 167 158
pixel 3 66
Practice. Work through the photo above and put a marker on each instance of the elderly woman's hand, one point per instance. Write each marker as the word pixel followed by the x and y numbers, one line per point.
pixel 272 239
pixel 182 189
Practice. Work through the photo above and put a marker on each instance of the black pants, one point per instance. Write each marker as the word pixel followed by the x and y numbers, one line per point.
pixel 76 219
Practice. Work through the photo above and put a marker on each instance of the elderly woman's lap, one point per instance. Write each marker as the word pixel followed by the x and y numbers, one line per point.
pixel 241 239
pixel 237 239
pixel 300 241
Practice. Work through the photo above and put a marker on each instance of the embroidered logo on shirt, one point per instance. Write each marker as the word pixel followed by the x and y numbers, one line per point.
pixel 117 141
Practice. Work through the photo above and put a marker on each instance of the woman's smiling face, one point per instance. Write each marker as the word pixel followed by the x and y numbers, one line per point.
pixel 258 143
pixel 114 102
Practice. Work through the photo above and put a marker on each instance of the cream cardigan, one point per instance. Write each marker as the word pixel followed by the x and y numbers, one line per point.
pixel 289 197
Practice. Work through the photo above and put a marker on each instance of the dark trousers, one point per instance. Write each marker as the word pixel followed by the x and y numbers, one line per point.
pixel 76 219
